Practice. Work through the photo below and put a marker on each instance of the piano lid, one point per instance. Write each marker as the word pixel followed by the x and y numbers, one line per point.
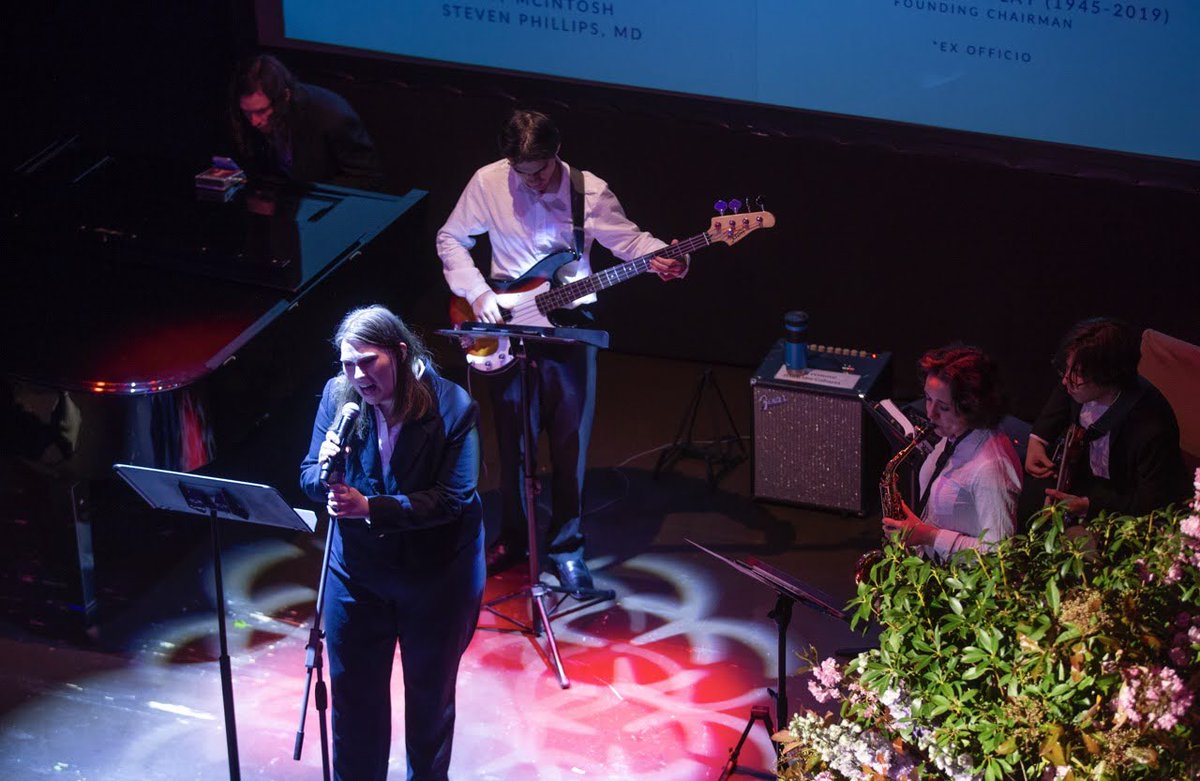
pixel 76 200
pixel 127 282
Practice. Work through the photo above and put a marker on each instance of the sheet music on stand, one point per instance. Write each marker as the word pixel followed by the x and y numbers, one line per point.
pixel 229 500
pixel 589 336
pixel 781 582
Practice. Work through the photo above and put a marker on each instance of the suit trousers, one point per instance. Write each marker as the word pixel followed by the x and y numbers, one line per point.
pixel 563 404
pixel 432 617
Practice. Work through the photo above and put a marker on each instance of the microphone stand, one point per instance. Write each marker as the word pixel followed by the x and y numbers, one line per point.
pixel 314 660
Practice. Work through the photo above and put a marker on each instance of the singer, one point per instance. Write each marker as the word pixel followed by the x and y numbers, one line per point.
pixel 406 565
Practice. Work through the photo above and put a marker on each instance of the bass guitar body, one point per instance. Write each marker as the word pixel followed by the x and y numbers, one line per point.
pixel 517 301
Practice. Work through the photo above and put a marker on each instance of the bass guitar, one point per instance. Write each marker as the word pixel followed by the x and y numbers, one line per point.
pixel 1066 456
pixel 538 297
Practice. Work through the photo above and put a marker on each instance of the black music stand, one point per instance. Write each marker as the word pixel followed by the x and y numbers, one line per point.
pixel 789 592
pixel 519 337
pixel 218 499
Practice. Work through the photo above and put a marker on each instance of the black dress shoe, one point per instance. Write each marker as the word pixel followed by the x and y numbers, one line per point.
pixel 503 556
pixel 574 576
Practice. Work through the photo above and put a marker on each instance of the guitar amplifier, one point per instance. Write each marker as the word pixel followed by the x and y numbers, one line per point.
pixel 814 441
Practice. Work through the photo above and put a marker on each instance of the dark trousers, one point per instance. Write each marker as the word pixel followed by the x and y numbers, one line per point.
pixel 562 403
pixel 432 618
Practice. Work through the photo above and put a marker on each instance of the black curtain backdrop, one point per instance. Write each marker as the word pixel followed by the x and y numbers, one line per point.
pixel 886 250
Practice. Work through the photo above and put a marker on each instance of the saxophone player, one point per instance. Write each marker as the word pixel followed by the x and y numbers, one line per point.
pixel 969 485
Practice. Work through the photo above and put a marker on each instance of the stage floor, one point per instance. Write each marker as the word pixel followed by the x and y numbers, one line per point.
pixel 663 679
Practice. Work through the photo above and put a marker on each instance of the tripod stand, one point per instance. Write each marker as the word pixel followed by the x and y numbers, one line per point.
pixel 720 455
pixel 219 499
pixel 789 591
pixel 519 338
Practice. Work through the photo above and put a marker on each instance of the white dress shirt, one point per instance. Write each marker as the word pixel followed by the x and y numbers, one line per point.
pixel 524 226
pixel 973 501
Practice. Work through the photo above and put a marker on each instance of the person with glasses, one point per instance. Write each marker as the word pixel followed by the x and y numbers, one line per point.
pixel 524 203
pixel 1129 459
pixel 283 129
pixel 969 484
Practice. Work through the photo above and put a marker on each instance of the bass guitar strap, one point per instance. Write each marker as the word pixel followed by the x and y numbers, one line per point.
pixel 577 210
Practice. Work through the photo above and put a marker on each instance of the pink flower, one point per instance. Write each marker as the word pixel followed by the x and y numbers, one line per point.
pixel 828 677
pixel 1191 526
pixel 828 673
pixel 1155 696
pixel 820 693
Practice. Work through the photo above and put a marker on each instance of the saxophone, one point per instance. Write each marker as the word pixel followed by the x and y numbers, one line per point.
pixel 890 498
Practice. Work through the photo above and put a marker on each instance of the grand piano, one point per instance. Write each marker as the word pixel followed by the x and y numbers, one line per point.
pixel 129 288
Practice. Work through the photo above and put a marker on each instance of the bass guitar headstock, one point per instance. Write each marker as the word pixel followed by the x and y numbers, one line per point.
pixel 732 224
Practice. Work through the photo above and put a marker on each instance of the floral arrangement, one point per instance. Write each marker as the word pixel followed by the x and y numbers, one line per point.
pixel 1065 654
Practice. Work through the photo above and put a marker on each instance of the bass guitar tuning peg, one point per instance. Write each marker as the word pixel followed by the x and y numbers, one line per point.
pixel 720 207
pixel 735 205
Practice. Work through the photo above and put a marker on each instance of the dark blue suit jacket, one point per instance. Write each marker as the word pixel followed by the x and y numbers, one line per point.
pixel 427 509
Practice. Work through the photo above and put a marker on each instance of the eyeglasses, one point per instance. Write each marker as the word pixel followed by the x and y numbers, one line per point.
pixel 530 174
pixel 1070 373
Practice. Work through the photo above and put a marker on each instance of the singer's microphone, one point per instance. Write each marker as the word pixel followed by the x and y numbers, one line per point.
pixel 334 469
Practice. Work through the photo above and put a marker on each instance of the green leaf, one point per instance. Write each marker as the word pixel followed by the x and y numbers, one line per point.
pixel 1060 690
pixel 985 640
pixel 1053 596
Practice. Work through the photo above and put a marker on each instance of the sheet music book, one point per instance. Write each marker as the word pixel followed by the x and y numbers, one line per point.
pixel 898 424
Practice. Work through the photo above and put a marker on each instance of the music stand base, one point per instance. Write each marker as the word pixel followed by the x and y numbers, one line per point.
pixel 757 713
pixel 537 594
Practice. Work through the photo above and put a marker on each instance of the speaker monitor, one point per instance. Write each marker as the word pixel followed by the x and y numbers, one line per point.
pixel 814 441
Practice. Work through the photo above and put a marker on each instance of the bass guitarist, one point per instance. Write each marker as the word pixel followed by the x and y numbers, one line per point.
pixel 532 204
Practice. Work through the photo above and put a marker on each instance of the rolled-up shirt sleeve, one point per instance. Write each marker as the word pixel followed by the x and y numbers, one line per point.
pixel 457 237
